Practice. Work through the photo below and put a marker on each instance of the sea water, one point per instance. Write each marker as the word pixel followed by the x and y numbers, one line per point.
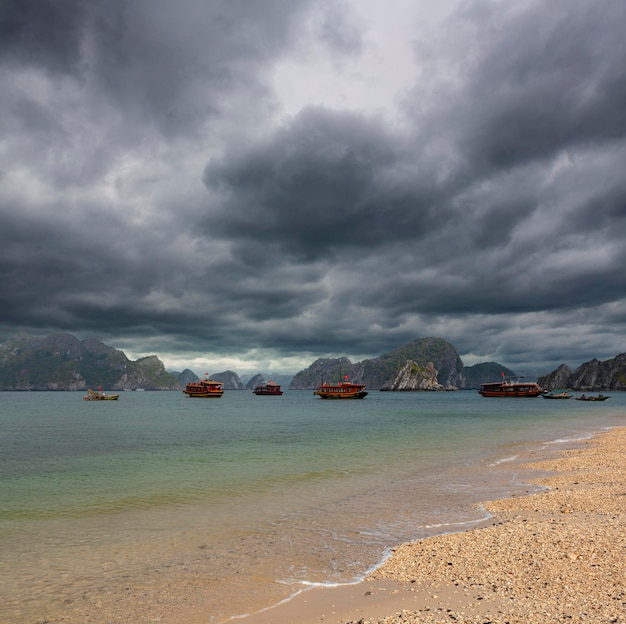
pixel 242 501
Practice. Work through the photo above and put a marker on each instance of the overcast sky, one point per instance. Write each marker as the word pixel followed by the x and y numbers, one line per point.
pixel 252 184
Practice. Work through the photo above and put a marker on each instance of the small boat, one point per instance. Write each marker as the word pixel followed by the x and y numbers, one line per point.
pixel 99 395
pixel 556 395
pixel 510 388
pixel 204 389
pixel 342 390
pixel 600 397
pixel 268 389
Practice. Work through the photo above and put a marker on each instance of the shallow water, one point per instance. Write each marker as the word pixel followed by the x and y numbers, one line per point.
pixel 106 501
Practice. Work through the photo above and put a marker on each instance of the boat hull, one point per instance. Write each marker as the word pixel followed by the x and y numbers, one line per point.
pixel 339 395
pixel 508 389
pixel 203 395
pixel 530 395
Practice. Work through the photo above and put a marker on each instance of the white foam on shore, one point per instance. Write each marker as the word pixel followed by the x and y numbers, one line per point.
pixel 486 516
pixel 443 528
pixel 306 586
pixel 581 437
pixel 503 460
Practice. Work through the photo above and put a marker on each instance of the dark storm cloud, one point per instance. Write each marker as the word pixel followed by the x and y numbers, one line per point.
pixel 183 65
pixel 147 191
pixel 135 73
pixel 504 198
pixel 45 34
pixel 323 184
pixel 553 80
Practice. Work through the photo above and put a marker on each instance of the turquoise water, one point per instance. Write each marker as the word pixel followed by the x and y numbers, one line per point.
pixel 160 490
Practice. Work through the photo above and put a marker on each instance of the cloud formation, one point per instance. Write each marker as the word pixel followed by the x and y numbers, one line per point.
pixel 254 185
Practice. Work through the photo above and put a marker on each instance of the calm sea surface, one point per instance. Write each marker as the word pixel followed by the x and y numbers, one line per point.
pixel 104 502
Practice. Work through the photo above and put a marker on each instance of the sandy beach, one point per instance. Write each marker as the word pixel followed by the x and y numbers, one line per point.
pixel 555 556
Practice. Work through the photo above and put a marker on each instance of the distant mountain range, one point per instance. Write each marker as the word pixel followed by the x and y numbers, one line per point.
pixel 63 362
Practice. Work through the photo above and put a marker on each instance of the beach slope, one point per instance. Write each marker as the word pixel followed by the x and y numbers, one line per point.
pixel 555 556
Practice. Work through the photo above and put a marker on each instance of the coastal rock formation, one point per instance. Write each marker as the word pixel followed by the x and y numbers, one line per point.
pixel 230 380
pixel 596 375
pixel 149 373
pixel 185 377
pixel 589 377
pixel 381 372
pixel 559 378
pixel 255 381
pixel 62 362
pixel 412 377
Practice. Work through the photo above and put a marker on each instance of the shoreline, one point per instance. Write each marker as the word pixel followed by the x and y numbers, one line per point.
pixel 553 555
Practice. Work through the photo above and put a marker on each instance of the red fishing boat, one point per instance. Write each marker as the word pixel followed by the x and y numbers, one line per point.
pixel 342 390
pixel 204 389
pixel 510 388
pixel 268 389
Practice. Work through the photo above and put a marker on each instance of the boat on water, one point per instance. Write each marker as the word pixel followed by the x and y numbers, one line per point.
pixel 510 388
pixel 100 395
pixel 204 389
pixel 342 390
pixel 269 389
pixel 600 397
pixel 556 395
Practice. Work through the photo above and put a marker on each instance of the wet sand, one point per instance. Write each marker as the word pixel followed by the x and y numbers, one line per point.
pixel 555 556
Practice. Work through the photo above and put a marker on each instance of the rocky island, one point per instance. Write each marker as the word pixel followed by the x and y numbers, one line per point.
pixel 63 362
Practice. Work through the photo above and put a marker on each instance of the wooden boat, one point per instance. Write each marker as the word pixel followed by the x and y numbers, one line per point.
pixel 600 397
pixel 204 389
pixel 510 388
pixel 99 395
pixel 556 395
pixel 268 389
pixel 343 390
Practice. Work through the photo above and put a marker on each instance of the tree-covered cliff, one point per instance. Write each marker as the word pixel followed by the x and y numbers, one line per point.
pixel 590 376
pixel 63 362
pixel 381 372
